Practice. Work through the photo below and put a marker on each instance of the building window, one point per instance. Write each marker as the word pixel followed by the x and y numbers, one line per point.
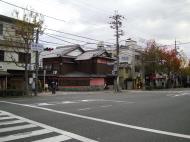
pixel 48 67
pixel 22 57
pixel 1 29
pixel 137 69
pixel 137 57
pixel 2 55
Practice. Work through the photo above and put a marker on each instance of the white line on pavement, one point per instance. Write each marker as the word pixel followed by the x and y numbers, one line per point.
pixel 83 109
pixel 104 100
pixel 179 95
pixel 68 102
pixel 17 128
pixel 24 135
pixel 44 104
pixel 11 122
pixel 105 106
pixel 59 138
pixel 5 118
pixel 107 121
pixel 1 114
pixel 52 129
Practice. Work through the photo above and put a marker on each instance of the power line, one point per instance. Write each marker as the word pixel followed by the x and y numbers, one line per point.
pixel 75 35
pixel 59 39
pixel 49 42
pixel 71 35
pixel 32 11
pixel 90 7
pixel 11 30
pixel 68 38
pixel 59 44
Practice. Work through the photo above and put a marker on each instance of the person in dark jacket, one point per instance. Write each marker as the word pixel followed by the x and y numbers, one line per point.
pixel 53 87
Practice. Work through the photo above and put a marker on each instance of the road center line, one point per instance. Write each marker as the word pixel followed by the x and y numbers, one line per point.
pixel 106 121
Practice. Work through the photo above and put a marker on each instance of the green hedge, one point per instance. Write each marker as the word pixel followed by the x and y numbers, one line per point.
pixel 11 92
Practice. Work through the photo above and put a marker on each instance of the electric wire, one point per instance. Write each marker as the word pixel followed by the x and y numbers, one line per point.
pixel 31 11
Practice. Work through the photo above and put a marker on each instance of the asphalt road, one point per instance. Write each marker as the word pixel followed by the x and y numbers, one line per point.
pixel 131 116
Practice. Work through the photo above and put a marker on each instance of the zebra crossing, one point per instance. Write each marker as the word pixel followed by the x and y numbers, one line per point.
pixel 16 128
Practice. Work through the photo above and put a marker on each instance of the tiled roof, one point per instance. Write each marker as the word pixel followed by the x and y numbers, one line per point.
pixel 90 54
pixel 59 51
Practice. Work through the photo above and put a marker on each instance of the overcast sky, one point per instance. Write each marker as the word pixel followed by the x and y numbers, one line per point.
pixel 162 20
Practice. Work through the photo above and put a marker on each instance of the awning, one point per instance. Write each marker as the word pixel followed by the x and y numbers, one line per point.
pixel 4 73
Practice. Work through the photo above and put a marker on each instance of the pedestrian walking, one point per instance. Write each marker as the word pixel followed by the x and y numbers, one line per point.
pixel 46 87
pixel 33 87
pixel 53 88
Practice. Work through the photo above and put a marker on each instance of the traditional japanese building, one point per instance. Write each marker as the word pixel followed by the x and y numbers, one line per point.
pixel 75 69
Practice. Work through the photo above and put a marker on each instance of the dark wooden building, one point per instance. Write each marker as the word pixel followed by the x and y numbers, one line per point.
pixel 73 68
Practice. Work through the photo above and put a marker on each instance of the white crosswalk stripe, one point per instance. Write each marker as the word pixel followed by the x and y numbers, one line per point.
pixel 59 138
pixel 16 128
pixel 24 135
pixel 8 117
pixel 1 114
pixel 11 122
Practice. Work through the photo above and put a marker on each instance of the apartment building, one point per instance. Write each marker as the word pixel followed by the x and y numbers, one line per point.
pixel 12 56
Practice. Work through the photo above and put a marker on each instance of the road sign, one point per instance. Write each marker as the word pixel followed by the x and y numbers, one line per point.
pixel 37 47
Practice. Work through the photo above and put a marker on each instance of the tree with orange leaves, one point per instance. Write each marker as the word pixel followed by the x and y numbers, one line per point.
pixel 161 59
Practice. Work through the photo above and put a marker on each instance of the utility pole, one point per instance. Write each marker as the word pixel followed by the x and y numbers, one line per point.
pixel 37 64
pixel 116 24
pixel 175 47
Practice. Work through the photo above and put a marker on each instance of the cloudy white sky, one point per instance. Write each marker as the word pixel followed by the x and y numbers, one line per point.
pixel 162 20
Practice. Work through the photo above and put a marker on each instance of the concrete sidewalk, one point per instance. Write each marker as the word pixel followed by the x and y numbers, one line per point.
pixel 77 92
pixel 111 92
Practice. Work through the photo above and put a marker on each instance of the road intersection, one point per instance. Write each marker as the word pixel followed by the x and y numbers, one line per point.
pixel 104 116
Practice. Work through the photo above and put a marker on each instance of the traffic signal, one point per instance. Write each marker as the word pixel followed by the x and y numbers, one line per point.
pixel 48 49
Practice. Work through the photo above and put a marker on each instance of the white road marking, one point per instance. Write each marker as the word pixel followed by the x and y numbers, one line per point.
pixel 5 118
pixel 103 100
pixel 59 138
pixel 78 101
pixel 44 104
pixel 83 109
pixel 87 100
pixel 24 135
pixel 53 103
pixel 1 114
pixel 17 128
pixel 105 106
pixel 11 122
pixel 68 102
pixel 106 121
pixel 179 95
pixel 49 128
